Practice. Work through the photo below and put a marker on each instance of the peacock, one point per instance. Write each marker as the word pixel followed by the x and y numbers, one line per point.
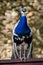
pixel 22 38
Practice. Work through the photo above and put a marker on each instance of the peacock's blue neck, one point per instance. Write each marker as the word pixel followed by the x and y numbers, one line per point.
pixel 22 27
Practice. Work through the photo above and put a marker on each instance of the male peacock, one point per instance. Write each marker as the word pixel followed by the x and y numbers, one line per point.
pixel 22 38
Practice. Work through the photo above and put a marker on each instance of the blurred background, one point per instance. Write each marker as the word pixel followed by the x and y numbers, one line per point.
pixel 9 16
